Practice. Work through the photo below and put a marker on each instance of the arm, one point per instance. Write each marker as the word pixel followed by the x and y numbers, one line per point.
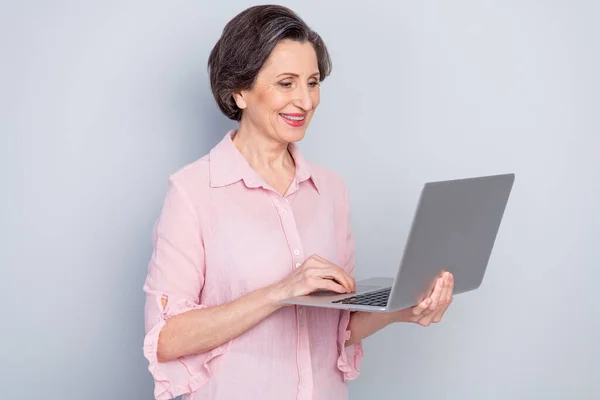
pixel 183 334
pixel 431 309
pixel 364 324
pixel 198 331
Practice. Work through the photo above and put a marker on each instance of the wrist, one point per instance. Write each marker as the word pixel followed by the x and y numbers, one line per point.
pixel 389 318
pixel 374 318
pixel 275 294
pixel 398 316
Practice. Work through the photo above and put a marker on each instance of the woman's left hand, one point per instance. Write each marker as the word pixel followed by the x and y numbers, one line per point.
pixel 432 308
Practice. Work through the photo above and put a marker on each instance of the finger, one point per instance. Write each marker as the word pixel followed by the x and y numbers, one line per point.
pixel 326 273
pixel 447 299
pixel 444 300
pixel 449 288
pixel 328 284
pixel 348 280
pixel 437 317
pixel 418 310
pixel 444 293
pixel 340 276
pixel 345 277
pixel 439 314
pixel 437 292
pixel 431 312
pixel 441 305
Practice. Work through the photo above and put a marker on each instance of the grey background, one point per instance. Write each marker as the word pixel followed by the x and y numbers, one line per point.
pixel 101 101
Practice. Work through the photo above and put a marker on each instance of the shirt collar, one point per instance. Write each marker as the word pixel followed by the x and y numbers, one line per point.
pixel 228 165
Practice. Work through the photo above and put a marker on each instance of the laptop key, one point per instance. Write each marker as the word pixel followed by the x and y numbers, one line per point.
pixel 377 299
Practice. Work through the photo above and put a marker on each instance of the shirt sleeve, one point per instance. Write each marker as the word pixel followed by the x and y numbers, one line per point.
pixel 175 274
pixel 350 357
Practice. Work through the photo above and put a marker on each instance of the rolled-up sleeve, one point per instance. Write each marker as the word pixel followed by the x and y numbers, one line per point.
pixel 350 357
pixel 176 275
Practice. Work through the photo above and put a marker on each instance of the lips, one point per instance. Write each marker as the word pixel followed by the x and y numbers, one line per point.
pixel 295 119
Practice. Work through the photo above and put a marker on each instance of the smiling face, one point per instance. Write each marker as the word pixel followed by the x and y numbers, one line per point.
pixel 285 95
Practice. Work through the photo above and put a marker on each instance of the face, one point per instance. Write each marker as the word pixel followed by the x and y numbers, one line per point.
pixel 285 95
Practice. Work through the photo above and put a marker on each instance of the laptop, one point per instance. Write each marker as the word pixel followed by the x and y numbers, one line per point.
pixel 453 229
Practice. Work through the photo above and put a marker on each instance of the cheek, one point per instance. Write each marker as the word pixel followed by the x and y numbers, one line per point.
pixel 272 101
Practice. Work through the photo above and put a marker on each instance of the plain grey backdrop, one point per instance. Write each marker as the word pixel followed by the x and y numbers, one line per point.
pixel 101 101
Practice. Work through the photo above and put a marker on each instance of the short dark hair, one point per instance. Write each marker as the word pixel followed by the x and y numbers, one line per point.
pixel 245 45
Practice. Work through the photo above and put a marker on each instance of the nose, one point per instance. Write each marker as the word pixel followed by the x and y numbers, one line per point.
pixel 303 98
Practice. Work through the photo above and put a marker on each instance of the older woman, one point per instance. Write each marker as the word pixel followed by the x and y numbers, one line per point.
pixel 253 223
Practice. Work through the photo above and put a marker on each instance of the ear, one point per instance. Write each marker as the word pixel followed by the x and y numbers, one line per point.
pixel 239 99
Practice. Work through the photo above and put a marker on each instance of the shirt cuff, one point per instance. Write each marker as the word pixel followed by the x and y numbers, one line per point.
pixel 350 357
pixel 186 374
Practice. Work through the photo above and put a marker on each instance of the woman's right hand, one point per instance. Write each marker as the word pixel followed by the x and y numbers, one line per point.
pixel 316 273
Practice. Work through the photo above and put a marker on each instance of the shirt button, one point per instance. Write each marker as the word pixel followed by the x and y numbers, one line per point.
pixel 297 252
pixel 283 211
pixel 300 311
pixel 298 265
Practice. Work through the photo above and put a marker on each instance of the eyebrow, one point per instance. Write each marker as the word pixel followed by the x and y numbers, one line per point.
pixel 296 75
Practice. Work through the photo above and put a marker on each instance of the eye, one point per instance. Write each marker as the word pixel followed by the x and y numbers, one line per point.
pixel 314 84
pixel 285 84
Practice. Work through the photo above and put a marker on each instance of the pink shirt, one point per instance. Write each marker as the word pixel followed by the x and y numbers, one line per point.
pixel 222 233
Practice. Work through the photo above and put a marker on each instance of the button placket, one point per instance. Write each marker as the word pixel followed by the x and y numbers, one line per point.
pixel 292 236
pixel 284 209
pixel 305 384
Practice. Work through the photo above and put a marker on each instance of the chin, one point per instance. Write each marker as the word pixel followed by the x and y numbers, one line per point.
pixel 292 134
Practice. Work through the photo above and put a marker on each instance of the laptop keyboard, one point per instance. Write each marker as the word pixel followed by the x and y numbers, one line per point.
pixel 378 298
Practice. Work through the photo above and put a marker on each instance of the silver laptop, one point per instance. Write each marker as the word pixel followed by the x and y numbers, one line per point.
pixel 454 229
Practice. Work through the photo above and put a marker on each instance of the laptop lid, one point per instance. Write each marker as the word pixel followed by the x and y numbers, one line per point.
pixel 454 229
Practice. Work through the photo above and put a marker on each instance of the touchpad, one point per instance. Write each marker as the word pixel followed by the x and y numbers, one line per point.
pixel 359 289
pixel 366 288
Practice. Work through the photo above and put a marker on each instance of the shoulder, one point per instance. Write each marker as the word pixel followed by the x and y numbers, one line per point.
pixel 193 178
pixel 192 172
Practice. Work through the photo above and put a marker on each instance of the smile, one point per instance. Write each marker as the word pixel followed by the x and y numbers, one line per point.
pixel 295 120
pixel 293 117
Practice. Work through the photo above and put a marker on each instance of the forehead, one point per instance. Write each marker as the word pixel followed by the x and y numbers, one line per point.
pixel 292 56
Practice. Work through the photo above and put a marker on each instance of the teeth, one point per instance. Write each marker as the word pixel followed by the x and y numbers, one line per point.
pixel 291 118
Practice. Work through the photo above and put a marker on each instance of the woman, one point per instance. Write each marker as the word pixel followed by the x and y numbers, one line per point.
pixel 253 223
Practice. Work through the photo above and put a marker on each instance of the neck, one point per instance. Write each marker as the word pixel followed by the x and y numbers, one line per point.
pixel 261 151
